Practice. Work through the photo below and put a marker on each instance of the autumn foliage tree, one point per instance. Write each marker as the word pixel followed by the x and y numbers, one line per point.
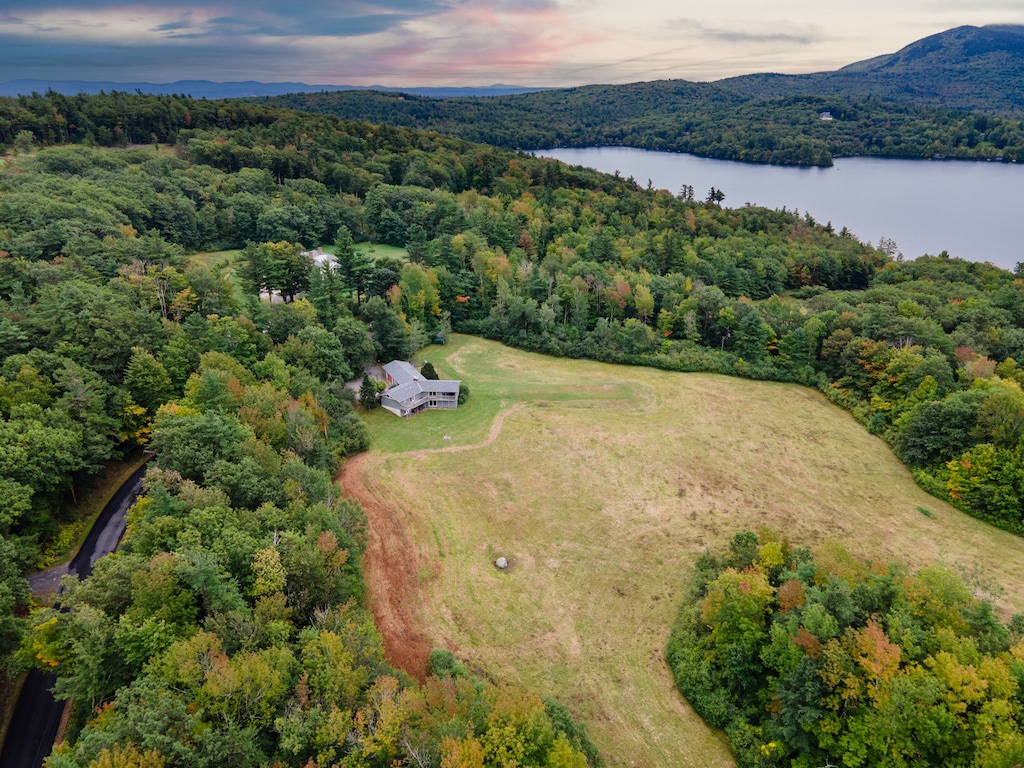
pixel 808 660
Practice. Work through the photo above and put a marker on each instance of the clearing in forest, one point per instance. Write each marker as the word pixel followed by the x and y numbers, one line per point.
pixel 224 264
pixel 601 484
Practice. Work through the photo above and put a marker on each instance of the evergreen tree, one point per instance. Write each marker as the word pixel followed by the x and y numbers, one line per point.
pixel 368 393
pixel 354 266
pixel 326 293
pixel 254 270
pixel 290 269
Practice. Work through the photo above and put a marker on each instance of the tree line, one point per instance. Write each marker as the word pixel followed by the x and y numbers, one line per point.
pixel 705 119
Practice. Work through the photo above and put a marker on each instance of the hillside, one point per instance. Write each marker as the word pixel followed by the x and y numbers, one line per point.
pixel 975 68
pixel 959 93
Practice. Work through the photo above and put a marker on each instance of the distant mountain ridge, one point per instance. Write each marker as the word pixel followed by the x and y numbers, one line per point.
pixel 974 68
pixel 208 89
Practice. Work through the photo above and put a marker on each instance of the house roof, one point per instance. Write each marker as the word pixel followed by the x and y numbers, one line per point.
pixel 402 392
pixel 409 382
pixel 319 257
pixel 401 372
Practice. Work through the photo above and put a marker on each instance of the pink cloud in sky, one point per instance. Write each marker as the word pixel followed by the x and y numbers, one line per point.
pixel 489 39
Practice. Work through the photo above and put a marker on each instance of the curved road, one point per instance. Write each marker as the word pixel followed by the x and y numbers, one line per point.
pixel 37 715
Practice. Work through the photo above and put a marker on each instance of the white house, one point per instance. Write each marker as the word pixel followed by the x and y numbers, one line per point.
pixel 319 257
pixel 409 392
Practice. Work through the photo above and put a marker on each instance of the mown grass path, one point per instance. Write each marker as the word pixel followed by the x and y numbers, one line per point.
pixel 602 484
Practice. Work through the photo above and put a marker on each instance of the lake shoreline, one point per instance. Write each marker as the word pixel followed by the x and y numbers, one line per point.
pixel 967 208
pixel 910 158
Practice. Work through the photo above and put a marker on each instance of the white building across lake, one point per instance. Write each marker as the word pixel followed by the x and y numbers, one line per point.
pixel 409 392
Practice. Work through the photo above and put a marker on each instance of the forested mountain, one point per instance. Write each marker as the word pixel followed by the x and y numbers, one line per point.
pixel 915 103
pixel 206 641
pixel 975 68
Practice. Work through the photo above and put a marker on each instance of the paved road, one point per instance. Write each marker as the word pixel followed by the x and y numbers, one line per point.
pixel 37 715
pixel 47 582
pixel 375 371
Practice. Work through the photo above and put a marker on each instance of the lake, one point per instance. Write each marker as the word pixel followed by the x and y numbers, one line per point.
pixel 974 210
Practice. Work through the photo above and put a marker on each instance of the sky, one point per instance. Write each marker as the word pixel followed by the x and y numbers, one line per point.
pixel 395 43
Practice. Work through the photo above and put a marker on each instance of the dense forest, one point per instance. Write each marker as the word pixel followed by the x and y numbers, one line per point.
pixel 204 639
pixel 703 119
pixel 810 659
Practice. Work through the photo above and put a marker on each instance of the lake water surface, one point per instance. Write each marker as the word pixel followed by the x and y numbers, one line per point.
pixel 974 210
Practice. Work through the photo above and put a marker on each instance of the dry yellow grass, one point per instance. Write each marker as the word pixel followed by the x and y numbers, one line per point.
pixel 601 486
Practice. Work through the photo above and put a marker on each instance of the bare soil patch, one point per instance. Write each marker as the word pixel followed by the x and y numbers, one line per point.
pixel 391 569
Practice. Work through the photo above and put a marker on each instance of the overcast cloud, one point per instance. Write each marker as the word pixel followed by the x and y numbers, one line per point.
pixel 463 42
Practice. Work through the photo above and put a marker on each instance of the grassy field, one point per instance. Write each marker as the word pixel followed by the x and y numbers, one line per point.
pixel 601 484
pixel 376 250
pixel 218 262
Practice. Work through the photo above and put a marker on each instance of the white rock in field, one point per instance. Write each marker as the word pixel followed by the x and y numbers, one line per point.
pixel 501 563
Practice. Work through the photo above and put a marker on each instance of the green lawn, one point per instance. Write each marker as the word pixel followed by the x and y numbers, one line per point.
pixel 602 484
pixel 377 250
pixel 218 262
